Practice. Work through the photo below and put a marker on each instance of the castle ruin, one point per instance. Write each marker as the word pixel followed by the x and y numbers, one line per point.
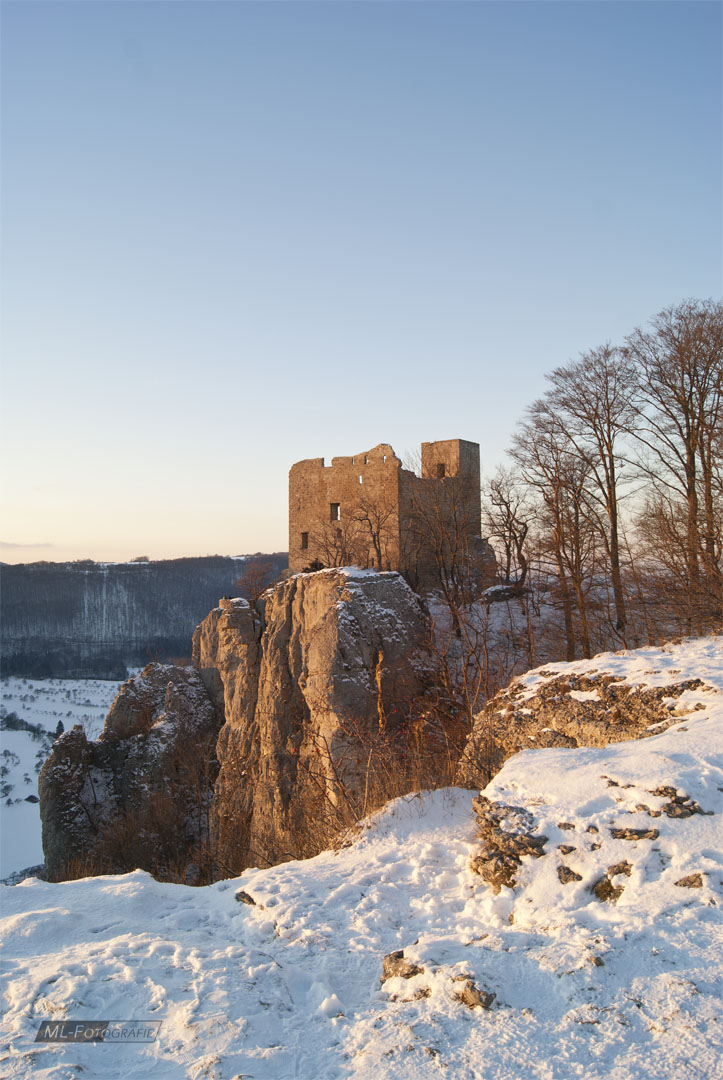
pixel 369 511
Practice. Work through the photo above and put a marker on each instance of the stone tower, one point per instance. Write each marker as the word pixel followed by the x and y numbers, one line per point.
pixel 460 458
pixel 368 510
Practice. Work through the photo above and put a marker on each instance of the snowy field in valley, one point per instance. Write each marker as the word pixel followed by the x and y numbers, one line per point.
pixel 42 703
pixel 284 982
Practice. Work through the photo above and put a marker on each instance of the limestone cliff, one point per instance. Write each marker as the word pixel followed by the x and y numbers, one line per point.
pixel 140 795
pixel 308 702
pixel 227 654
pixel 318 685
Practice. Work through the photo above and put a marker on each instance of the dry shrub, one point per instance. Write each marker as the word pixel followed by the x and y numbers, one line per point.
pixel 345 779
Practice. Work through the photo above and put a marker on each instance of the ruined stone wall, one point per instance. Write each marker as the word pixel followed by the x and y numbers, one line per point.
pixel 360 486
pixel 368 511
pixel 458 458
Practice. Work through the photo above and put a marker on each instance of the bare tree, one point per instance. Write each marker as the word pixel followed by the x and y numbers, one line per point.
pixel 551 466
pixel 507 519
pixel 679 416
pixel 377 520
pixel 441 540
pixel 339 543
pixel 591 400
pixel 257 576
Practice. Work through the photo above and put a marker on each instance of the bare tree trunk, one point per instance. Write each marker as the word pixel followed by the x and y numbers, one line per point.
pixel 566 603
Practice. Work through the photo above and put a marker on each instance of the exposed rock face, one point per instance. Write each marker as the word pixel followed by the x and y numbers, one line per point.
pixel 565 710
pixel 227 653
pixel 138 796
pixel 315 683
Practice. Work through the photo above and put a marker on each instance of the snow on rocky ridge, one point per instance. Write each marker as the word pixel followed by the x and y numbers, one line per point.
pixel 602 954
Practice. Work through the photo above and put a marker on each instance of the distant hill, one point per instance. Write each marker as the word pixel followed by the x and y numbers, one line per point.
pixel 95 620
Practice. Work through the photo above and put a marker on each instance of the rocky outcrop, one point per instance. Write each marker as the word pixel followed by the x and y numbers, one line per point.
pixel 298 718
pixel 227 655
pixel 604 888
pixel 395 965
pixel 471 995
pixel 568 710
pixel 139 796
pixel 507 835
pixel 319 686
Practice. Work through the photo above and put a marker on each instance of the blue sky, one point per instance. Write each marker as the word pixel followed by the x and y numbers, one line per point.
pixel 236 235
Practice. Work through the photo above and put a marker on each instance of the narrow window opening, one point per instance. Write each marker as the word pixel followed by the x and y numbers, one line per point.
pixel 440 470
pixel 366 460
pixel 361 479
pixel 338 534
pixel 384 458
pixel 304 541
pixel 335 511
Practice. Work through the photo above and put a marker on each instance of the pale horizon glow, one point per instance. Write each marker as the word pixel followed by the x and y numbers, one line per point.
pixel 237 235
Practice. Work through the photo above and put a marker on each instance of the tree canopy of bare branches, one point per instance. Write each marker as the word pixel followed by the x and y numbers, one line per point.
pixel 623 455
pixel 678 421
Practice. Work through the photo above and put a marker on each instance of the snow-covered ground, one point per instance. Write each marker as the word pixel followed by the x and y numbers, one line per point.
pixel 696 658
pixel 40 702
pixel 288 987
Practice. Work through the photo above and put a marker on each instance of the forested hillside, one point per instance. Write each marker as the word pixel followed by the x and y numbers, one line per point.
pixel 88 619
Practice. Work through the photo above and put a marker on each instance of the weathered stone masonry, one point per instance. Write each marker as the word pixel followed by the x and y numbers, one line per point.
pixel 359 509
